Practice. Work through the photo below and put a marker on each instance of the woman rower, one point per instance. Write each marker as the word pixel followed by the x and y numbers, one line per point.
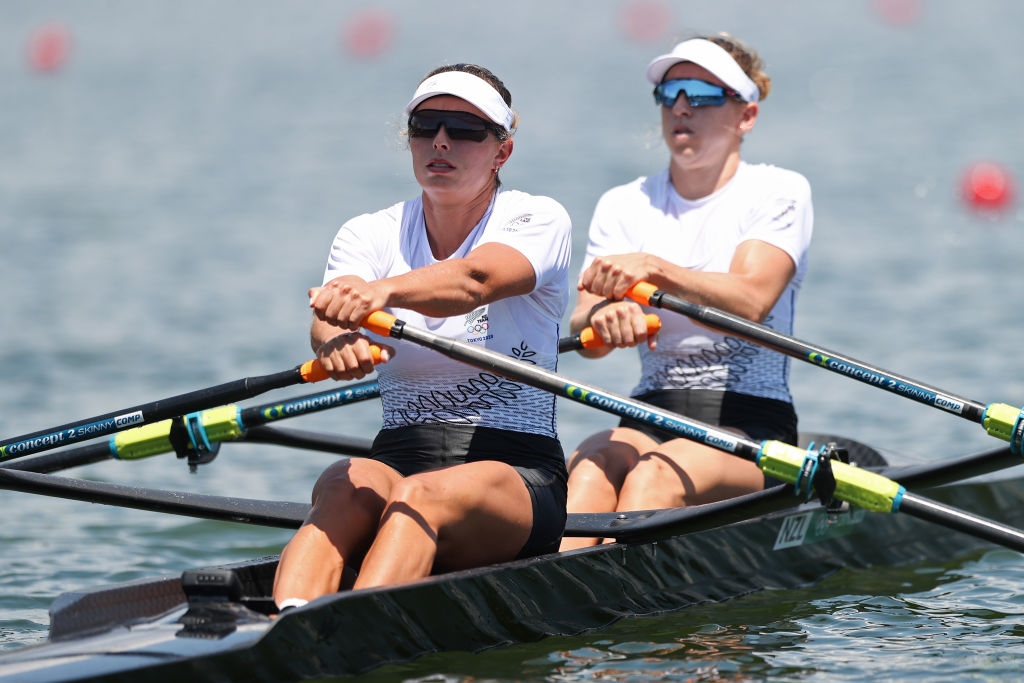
pixel 467 468
pixel 716 231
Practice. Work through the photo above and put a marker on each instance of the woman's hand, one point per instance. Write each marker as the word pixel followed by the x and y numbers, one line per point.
pixel 346 301
pixel 621 324
pixel 347 356
pixel 612 276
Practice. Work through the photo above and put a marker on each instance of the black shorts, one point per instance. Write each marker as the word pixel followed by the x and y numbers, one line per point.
pixel 538 460
pixel 753 417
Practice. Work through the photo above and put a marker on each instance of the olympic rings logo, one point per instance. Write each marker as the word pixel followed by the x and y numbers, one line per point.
pixel 477 328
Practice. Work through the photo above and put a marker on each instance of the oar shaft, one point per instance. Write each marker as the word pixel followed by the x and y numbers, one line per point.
pixel 210 397
pixel 961 520
pixel 61 460
pixel 788 463
pixel 314 441
pixel 155 411
pixel 138 442
pixel 311 403
pixel 244 510
pixel 581 393
pixel 810 353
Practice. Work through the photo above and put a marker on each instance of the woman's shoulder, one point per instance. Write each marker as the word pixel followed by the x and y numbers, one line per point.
pixel 382 219
pixel 643 186
pixel 519 202
pixel 770 176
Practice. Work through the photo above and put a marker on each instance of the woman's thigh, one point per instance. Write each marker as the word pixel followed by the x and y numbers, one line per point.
pixel 481 511
pixel 615 451
pixel 682 472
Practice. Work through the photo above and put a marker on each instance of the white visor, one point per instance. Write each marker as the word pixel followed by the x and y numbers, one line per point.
pixel 710 56
pixel 466 86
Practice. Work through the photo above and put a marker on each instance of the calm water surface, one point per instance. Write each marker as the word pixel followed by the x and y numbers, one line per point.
pixel 167 197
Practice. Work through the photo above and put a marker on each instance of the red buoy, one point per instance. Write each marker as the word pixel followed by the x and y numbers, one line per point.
pixel 645 20
pixel 899 12
pixel 987 186
pixel 368 33
pixel 48 48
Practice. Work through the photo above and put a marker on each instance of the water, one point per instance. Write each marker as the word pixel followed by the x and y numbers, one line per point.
pixel 169 195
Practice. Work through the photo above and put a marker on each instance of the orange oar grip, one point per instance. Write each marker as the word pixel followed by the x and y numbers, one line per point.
pixel 313 371
pixel 380 323
pixel 641 293
pixel 653 323
pixel 590 340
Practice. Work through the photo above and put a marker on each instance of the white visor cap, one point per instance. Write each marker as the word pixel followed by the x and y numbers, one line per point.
pixel 710 56
pixel 466 86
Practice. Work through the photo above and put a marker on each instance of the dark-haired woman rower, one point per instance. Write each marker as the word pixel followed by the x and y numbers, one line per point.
pixel 467 468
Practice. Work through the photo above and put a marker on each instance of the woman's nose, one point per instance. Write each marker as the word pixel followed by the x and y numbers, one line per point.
pixel 682 105
pixel 441 139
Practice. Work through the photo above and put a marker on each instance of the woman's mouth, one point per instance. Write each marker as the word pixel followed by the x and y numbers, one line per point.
pixel 440 165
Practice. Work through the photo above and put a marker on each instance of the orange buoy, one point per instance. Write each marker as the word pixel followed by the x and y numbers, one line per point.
pixel 48 48
pixel 987 186
pixel 368 33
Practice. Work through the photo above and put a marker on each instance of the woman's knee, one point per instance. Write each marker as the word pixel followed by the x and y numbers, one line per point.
pixel 417 500
pixel 336 494
pixel 654 470
pixel 604 453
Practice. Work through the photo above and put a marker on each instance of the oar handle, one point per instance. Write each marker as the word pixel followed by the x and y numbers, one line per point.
pixel 313 370
pixel 589 339
pixel 641 293
pixel 380 323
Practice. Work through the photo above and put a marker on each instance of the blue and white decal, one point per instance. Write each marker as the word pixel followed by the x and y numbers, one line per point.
pixel 721 440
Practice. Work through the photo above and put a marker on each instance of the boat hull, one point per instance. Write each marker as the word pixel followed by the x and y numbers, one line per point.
pixel 223 634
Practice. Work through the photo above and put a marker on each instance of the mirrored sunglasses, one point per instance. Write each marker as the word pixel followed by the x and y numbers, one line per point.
pixel 698 93
pixel 460 125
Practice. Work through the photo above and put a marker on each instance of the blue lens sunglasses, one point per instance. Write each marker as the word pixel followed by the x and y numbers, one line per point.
pixel 698 93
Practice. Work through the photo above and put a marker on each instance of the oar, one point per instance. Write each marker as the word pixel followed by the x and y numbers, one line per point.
pixel 200 431
pixel 232 422
pixel 193 401
pixel 776 459
pixel 338 444
pixel 245 510
pixel 1001 420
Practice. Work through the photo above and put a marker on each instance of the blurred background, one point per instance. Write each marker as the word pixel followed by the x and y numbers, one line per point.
pixel 172 174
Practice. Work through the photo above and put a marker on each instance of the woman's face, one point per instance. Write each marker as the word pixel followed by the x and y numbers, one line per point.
pixel 703 136
pixel 456 170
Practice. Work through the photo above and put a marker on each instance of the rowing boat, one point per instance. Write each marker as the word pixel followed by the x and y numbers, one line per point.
pixel 217 623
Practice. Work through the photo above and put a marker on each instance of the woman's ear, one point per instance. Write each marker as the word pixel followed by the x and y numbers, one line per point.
pixel 749 117
pixel 504 152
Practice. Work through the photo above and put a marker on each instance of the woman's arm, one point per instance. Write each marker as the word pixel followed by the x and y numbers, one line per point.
pixel 490 272
pixel 758 274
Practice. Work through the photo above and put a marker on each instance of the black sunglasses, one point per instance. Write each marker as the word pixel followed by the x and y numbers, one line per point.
pixel 460 125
